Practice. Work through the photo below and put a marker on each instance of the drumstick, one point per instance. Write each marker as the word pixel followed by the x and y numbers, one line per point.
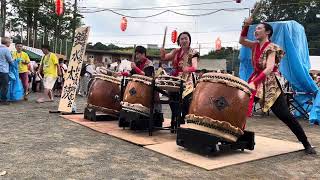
pixel 164 37
pixel 133 53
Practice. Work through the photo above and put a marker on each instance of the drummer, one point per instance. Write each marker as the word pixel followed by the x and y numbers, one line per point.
pixel 264 80
pixel 142 65
pixel 185 62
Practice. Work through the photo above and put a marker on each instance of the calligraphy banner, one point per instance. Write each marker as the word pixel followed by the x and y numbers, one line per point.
pixel 74 67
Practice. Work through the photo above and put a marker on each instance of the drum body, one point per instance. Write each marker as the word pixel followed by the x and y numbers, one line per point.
pixel 137 95
pixel 219 106
pixel 104 94
pixel 169 83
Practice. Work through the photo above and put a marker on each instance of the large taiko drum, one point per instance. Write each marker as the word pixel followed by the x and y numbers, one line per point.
pixel 138 94
pixel 169 83
pixel 219 106
pixel 104 93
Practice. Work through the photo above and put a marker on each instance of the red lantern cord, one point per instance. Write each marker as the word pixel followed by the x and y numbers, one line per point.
pixel 123 24
pixel 59 7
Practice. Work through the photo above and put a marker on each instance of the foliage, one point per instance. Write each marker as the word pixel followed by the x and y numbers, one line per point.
pixel 302 11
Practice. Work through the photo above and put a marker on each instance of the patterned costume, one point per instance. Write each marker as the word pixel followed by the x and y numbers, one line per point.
pixel 184 60
pixel 269 90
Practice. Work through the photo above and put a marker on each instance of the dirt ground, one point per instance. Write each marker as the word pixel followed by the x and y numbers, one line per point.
pixel 37 145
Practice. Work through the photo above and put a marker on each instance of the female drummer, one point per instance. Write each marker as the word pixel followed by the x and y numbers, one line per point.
pixel 184 61
pixel 264 82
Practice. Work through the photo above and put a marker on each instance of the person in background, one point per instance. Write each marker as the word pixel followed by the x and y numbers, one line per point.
pixel 38 79
pixel 24 61
pixel 86 74
pixel 57 89
pixel 5 61
pixel 49 65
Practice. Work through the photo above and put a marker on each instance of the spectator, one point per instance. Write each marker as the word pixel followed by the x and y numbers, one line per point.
pixel 49 65
pixel 57 89
pixel 86 74
pixel 5 61
pixel 23 60
pixel 38 80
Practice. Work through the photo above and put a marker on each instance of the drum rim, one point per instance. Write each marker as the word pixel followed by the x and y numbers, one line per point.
pixel 224 75
pixel 167 76
pixel 225 128
pixel 134 108
pixel 107 78
pixel 138 76
pixel 111 112
pixel 231 80
pixel 142 79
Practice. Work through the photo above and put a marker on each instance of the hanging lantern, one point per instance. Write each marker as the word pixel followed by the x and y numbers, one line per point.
pixel 59 7
pixel 123 24
pixel 174 36
pixel 218 44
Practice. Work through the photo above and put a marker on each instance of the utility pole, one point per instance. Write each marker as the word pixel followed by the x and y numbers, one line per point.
pixel 75 9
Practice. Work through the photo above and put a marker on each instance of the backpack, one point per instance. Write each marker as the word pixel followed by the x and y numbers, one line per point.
pixel 83 69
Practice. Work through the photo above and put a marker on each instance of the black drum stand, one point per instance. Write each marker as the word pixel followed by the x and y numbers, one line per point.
pixel 154 121
pixel 205 143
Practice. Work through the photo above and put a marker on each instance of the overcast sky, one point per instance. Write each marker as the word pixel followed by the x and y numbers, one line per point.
pixel 105 26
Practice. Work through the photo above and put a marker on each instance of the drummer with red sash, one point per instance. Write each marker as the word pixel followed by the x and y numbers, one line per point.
pixel 142 66
pixel 264 82
pixel 185 62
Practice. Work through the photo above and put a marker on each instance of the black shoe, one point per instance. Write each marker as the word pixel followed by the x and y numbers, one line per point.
pixel 310 150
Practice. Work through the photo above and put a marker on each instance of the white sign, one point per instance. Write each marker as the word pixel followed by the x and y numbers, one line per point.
pixel 73 74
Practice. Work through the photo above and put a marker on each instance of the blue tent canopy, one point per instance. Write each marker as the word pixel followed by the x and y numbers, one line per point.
pixel 295 65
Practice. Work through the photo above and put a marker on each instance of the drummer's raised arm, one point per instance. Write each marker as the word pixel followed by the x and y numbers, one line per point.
pixel 167 56
pixel 244 33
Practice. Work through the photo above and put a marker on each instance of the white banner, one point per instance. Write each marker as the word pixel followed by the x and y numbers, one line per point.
pixel 73 74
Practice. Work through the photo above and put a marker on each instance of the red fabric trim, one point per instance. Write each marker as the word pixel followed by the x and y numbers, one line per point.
pixel 191 69
pixel 259 79
pixel 125 74
pixel 138 71
pixel 251 102
pixel 244 32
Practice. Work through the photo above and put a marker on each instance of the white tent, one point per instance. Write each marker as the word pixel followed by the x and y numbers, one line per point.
pixel 125 65
pixel 315 63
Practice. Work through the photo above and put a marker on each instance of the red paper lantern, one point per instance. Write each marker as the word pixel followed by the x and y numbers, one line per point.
pixel 123 24
pixel 218 44
pixel 59 7
pixel 174 36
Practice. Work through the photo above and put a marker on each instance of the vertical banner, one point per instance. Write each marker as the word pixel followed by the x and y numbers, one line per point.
pixel 74 67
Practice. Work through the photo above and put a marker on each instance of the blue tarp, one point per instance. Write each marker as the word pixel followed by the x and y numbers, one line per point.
pixel 295 66
pixel 15 90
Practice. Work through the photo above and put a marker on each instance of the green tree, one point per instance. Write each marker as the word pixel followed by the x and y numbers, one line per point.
pixel 302 11
pixel 41 23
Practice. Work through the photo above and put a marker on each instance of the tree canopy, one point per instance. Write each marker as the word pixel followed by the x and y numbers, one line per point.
pixel 303 11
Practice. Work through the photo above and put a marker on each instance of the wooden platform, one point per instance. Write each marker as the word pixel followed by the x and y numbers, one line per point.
pixel 164 142
pixel 265 147
pixel 111 128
